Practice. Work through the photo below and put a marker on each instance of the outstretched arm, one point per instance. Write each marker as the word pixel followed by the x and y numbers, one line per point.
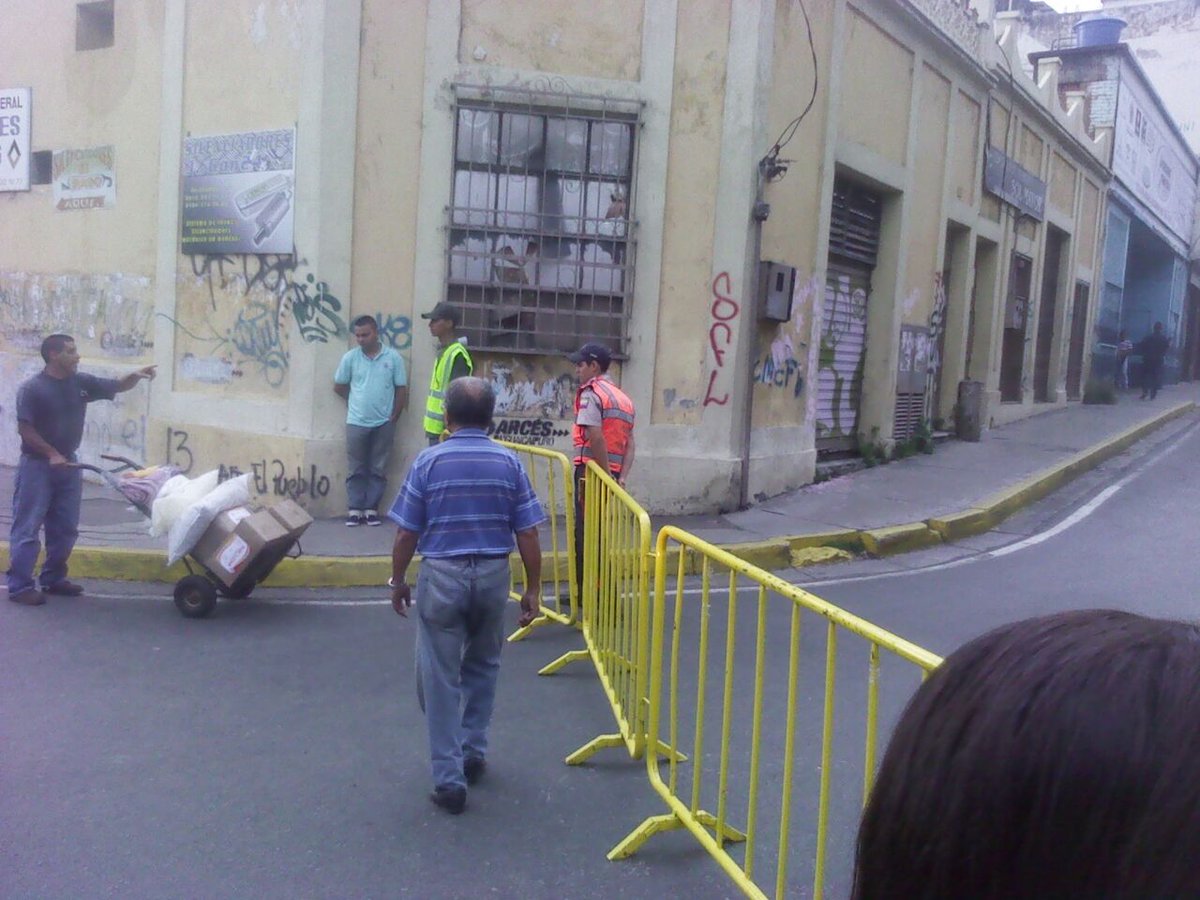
pixel 147 373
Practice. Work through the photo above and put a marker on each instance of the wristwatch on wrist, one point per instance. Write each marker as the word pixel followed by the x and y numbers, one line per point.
pixel 391 582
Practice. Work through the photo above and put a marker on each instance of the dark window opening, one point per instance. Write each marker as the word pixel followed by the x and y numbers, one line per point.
pixel 94 25
pixel 40 165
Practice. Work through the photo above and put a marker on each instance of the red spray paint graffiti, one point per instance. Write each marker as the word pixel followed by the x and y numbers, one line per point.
pixel 724 310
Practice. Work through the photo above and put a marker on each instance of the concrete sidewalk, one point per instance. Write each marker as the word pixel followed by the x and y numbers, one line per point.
pixel 960 489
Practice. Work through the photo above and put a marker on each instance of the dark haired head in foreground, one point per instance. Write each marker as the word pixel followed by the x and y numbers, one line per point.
pixel 1054 757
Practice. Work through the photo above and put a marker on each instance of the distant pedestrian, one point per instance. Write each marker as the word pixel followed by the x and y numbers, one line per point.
pixel 1053 757
pixel 453 361
pixel 372 380
pixel 51 407
pixel 1124 351
pixel 460 506
pixel 604 418
pixel 1153 348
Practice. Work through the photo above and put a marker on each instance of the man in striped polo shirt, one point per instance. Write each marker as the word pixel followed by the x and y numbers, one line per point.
pixel 460 506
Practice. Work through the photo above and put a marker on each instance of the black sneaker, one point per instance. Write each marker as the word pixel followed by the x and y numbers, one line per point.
pixel 355 518
pixel 372 518
pixel 452 799
pixel 473 768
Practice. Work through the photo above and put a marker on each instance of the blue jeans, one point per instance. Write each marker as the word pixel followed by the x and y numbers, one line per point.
pixel 367 452
pixel 460 633
pixel 44 495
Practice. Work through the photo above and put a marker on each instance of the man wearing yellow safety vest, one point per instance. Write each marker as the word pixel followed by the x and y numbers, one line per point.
pixel 453 361
pixel 603 430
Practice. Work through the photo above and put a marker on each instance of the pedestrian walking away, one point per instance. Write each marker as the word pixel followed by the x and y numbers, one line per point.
pixel 371 378
pixel 51 407
pixel 461 505
pixel 453 361
pixel 604 418
pixel 1153 348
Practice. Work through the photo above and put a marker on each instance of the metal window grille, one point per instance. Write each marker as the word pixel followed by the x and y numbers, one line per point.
pixel 542 228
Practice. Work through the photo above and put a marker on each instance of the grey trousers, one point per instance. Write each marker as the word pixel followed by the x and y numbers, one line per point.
pixel 460 633
pixel 367 452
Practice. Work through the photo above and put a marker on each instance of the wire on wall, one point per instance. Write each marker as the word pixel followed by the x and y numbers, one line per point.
pixel 772 167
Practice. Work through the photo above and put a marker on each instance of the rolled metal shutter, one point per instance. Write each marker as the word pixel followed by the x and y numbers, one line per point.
pixel 853 249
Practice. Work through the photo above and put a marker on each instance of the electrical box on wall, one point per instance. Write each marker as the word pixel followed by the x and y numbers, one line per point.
pixel 778 282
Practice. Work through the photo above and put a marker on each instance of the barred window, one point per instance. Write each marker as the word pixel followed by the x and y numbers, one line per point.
pixel 541 245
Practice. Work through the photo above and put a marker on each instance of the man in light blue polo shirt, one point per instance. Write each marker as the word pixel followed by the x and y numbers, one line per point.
pixel 372 380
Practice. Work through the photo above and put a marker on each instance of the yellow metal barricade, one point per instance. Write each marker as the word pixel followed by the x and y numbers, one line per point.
pixel 616 608
pixel 761 769
pixel 550 474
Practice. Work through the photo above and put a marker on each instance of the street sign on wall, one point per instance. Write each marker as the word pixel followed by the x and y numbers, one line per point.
pixel 15 121
pixel 1011 182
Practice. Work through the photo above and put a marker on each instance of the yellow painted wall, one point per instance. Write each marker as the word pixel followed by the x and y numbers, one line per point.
pixel 1061 193
pixel 685 290
pixel 88 272
pixel 964 172
pixel 600 38
pixel 390 97
pixel 877 119
pixel 926 225
pixel 791 235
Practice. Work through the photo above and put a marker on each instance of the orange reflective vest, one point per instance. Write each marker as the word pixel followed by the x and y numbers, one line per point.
pixel 616 422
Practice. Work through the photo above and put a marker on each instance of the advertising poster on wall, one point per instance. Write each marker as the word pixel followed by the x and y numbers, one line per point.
pixel 85 179
pixel 238 192
pixel 15 121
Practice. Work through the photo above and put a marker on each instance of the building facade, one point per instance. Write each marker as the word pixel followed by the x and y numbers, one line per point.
pixel 800 226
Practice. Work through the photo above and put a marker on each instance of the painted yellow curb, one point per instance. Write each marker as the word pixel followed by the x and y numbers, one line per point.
pixel 993 510
pixel 769 555
pixel 899 538
pixel 842 539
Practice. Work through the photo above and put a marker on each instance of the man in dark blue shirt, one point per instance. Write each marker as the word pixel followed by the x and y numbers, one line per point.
pixel 461 504
pixel 50 411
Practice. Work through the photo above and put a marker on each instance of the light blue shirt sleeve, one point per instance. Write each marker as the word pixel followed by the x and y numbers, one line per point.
pixel 343 373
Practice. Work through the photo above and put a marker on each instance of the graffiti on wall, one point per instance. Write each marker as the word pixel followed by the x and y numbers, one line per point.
pixel 395 331
pixel 937 328
pixel 528 390
pixel 108 315
pixel 268 290
pixel 781 367
pixel 723 313
pixel 273 477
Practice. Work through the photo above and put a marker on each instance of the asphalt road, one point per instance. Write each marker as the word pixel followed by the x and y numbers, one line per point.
pixel 276 750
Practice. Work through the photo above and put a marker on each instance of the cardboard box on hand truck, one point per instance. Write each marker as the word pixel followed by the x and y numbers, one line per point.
pixel 236 538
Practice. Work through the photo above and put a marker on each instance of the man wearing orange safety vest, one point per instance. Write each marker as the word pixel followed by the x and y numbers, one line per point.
pixel 603 430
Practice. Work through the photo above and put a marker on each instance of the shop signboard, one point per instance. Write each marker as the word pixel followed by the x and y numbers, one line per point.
pixel 84 179
pixel 238 193
pixel 15 122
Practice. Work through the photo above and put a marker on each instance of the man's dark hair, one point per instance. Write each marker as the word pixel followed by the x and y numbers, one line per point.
pixel 1053 757
pixel 470 402
pixel 55 343
pixel 365 320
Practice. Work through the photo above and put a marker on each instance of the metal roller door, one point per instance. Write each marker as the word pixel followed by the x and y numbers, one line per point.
pixel 853 247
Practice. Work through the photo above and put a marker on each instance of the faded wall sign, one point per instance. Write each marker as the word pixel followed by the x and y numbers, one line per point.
pixel 1013 183
pixel 85 179
pixel 15 120
pixel 238 193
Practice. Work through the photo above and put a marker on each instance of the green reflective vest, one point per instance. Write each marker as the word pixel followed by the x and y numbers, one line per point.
pixel 435 405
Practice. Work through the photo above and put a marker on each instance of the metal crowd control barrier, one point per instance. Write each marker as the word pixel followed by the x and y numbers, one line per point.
pixel 550 473
pixel 756 746
pixel 616 608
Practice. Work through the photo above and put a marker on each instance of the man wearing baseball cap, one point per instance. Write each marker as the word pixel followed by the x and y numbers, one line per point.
pixel 603 430
pixel 453 361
